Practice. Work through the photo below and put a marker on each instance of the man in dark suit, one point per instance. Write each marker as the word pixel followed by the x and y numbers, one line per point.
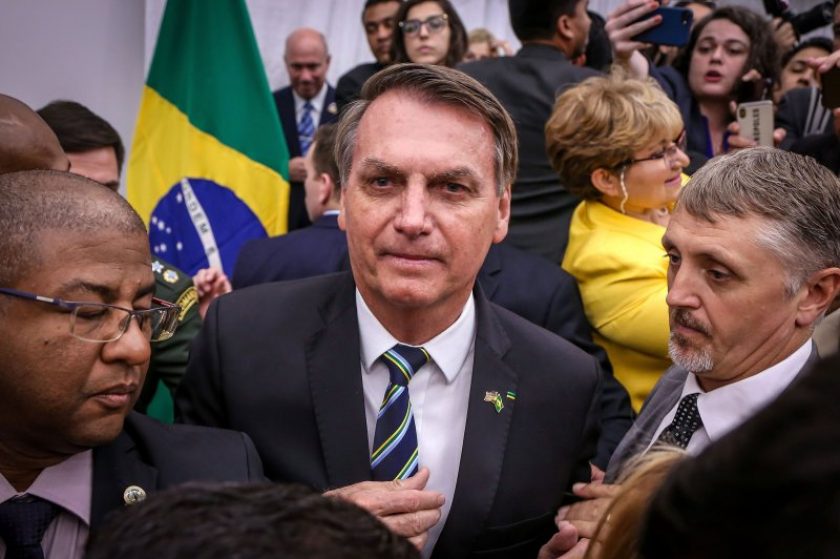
pixel 303 106
pixel 552 33
pixel 521 282
pixel 318 249
pixel 378 21
pixel 498 419
pixel 754 248
pixel 78 314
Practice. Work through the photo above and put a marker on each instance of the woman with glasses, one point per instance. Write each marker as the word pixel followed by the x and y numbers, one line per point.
pixel 618 144
pixel 429 32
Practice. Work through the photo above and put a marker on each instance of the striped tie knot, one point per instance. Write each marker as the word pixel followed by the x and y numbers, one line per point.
pixel 306 128
pixel 403 361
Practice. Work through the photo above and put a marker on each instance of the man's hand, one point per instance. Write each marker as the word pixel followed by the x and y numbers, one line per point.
pixel 584 515
pixel 621 29
pixel 565 544
pixel 403 505
pixel 297 171
pixel 210 283
pixel 783 34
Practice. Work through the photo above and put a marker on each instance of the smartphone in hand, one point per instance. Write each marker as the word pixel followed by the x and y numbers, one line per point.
pixel 673 30
pixel 831 88
pixel 756 121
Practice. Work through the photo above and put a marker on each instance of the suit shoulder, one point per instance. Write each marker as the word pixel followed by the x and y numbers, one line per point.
pixel 527 337
pixel 192 451
pixel 292 297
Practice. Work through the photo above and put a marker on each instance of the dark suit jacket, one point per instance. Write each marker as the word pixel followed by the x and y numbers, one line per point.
pixel 546 295
pixel 318 249
pixel 281 362
pixel 349 86
pixel 285 102
pixel 659 402
pixel 521 282
pixel 156 456
pixel 527 84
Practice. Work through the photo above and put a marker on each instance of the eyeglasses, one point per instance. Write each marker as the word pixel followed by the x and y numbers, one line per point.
pixel 669 155
pixel 435 24
pixel 98 322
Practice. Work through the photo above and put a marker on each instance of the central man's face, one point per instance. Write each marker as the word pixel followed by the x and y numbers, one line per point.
pixel 60 394
pixel 421 207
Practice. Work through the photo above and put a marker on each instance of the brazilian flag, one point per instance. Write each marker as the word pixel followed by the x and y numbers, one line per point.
pixel 209 165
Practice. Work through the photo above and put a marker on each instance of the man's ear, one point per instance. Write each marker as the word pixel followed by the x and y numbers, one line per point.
pixel 564 28
pixel 325 189
pixel 817 295
pixel 606 182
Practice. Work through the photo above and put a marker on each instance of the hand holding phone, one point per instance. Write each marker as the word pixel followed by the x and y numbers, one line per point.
pixel 756 121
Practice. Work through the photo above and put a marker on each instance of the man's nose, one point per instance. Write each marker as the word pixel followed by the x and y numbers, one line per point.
pixel 681 291
pixel 413 217
pixel 133 347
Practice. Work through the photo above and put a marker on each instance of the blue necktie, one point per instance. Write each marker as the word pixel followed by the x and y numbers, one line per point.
pixel 23 521
pixel 394 453
pixel 306 128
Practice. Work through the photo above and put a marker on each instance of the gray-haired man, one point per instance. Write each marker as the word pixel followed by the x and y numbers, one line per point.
pixel 754 249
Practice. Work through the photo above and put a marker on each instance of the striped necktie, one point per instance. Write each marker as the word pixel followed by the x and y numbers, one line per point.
pixel 686 421
pixel 306 128
pixel 394 453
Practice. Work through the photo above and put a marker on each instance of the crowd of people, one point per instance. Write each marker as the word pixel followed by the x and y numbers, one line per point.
pixel 546 304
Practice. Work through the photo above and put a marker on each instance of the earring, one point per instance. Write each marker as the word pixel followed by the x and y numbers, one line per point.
pixel 623 192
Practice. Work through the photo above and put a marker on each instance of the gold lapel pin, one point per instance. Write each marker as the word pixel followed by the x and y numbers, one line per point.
pixel 496 399
pixel 134 494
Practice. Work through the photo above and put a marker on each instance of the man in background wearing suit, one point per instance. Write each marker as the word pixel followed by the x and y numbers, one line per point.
pixel 303 106
pixel 76 318
pixel 379 24
pixel 473 455
pixel 754 248
pixel 553 33
pixel 318 249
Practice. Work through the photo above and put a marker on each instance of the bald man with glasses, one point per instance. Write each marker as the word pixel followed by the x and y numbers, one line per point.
pixel 77 316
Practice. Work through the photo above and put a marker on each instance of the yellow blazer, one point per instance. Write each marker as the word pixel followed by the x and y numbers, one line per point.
pixel 621 269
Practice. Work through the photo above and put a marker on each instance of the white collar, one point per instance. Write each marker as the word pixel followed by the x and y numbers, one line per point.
pixel 317 101
pixel 726 407
pixel 448 350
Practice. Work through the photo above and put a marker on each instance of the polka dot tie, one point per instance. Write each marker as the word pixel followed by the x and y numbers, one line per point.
pixel 685 423
pixel 23 521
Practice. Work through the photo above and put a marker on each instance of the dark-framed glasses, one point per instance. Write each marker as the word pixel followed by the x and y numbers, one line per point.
pixel 103 323
pixel 670 155
pixel 435 24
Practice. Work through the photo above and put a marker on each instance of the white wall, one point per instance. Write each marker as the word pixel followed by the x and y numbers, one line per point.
pixel 90 51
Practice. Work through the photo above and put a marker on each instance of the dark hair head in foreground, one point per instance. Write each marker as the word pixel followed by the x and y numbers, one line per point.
pixel 259 521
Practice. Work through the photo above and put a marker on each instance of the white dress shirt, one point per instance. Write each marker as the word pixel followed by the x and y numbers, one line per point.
pixel 727 407
pixel 317 105
pixel 439 393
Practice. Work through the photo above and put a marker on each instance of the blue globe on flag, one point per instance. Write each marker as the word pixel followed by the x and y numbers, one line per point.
pixel 199 223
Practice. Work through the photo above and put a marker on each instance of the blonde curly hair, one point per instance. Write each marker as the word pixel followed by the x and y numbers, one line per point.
pixel 601 122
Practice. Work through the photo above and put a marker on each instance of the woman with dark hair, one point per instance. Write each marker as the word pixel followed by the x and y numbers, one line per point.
pixel 731 56
pixel 430 32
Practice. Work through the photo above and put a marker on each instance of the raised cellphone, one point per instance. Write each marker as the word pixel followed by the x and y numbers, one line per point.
pixel 756 120
pixel 831 88
pixel 673 30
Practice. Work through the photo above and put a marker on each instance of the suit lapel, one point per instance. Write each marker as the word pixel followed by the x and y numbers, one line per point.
pixel 333 365
pixel 115 467
pixel 488 274
pixel 485 436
